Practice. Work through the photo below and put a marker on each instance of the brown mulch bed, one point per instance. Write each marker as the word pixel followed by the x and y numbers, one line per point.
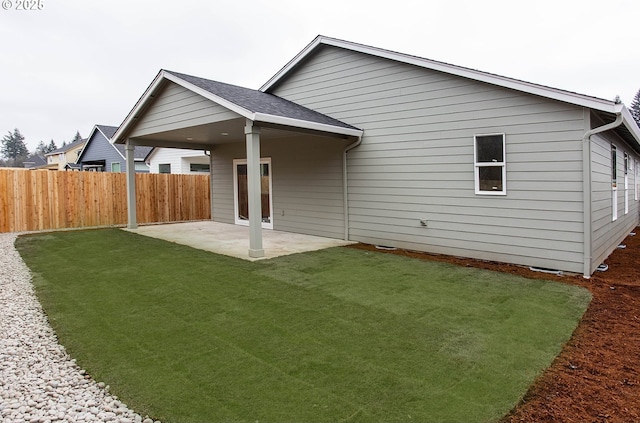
pixel 596 377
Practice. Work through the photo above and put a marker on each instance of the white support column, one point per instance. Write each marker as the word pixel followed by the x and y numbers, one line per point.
pixel 252 134
pixel 131 186
pixel 211 180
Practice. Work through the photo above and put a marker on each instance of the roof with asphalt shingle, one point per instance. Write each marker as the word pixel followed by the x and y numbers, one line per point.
pixel 259 102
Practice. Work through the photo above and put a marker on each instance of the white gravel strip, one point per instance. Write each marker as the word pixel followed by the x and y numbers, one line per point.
pixel 39 382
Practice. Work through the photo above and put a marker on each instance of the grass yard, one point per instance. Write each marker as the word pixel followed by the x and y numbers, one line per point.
pixel 345 335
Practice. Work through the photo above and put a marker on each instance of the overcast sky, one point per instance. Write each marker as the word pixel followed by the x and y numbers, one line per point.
pixel 74 64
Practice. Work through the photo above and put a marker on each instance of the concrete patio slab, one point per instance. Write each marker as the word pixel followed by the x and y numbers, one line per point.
pixel 233 240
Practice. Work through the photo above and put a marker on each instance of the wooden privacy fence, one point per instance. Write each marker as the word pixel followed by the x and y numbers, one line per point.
pixel 32 200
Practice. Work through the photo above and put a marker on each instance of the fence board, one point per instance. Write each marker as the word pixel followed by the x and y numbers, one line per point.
pixel 32 200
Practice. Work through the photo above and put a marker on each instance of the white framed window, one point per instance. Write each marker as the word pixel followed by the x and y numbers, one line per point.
pixel 115 167
pixel 627 163
pixel 198 167
pixel 490 164
pixel 614 183
pixel 635 179
pixel 164 168
pixel 241 192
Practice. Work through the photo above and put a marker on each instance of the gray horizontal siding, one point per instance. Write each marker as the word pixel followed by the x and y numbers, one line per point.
pixel 99 148
pixel 176 108
pixel 607 234
pixel 306 181
pixel 416 160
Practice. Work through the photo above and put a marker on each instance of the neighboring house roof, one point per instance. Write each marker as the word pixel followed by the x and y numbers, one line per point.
pixel 140 152
pixel 255 105
pixel 73 166
pixel 108 132
pixel 34 160
pixel 608 108
pixel 67 147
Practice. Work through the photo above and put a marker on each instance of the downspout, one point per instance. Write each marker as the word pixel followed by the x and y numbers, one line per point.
pixel 345 193
pixel 586 187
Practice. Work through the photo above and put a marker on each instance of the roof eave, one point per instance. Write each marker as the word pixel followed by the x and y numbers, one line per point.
pixel 95 128
pixel 544 91
pixel 120 136
pixel 305 124
pixel 293 63
pixel 629 122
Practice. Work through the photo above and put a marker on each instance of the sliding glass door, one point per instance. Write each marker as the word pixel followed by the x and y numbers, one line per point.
pixel 241 191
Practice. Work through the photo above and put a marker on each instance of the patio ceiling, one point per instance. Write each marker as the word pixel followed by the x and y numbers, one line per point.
pixel 203 136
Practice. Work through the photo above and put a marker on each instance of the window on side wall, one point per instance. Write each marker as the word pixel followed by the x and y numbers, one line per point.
pixel 164 168
pixel 115 167
pixel 490 164
pixel 198 167
pixel 614 183
pixel 635 179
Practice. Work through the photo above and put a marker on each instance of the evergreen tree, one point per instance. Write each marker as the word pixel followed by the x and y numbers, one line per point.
pixel 77 137
pixel 13 147
pixel 635 108
pixel 41 149
pixel 52 146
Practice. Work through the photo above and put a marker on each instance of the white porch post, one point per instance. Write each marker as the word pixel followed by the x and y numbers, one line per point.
pixel 252 134
pixel 211 180
pixel 131 186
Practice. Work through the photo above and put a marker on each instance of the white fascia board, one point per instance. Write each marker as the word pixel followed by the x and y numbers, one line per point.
pixel 630 123
pixel 138 106
pixel 206 94
pixel 305 124
pixel 527 87
pixel 292 63
pixel 151 91
pixel 86 144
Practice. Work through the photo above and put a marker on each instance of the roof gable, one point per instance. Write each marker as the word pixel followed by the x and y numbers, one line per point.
pixel 102 134
pixel 68 147
pixel 99 131
pixel 606 106
pixel 254 105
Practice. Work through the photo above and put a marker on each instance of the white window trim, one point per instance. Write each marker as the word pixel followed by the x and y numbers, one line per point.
pixel 627 163
pixel 236 162
pixel 119 166
pixel 503 164
pixel 635 179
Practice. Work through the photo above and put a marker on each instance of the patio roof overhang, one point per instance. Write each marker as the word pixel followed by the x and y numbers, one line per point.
pixel 237 114
pixel 276 116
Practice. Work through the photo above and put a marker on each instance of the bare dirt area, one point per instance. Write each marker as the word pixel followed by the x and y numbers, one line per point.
pixel 596 377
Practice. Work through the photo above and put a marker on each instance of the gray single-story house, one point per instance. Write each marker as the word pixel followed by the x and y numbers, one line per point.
pixel 100 155
pixel 357 142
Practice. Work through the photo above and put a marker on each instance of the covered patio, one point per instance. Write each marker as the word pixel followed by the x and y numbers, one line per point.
pixel 233 240
pixel 187 112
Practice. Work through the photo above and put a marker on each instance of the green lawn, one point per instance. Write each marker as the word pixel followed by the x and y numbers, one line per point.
pixel 336 335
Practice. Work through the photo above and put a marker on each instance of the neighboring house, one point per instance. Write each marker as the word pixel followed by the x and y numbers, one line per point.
pixel 73 166
pixel 177 160
pixel 58 159
pixel 100 155
pixel 356 142
pixel 34 161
